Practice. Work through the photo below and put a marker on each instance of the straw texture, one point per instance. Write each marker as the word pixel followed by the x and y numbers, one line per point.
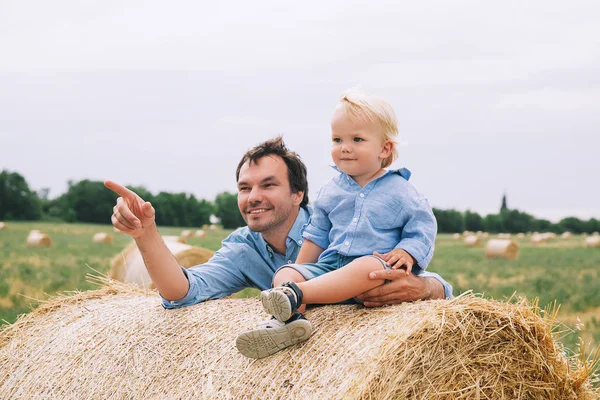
pixel 3 226
pixel 119 343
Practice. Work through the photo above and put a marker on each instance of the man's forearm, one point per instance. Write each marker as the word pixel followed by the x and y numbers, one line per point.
pixel 436 289
pixel 162 266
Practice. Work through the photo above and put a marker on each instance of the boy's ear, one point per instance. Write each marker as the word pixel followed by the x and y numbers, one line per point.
pixel 386 150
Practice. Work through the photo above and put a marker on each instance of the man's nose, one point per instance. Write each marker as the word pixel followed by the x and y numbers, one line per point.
pixel 255 195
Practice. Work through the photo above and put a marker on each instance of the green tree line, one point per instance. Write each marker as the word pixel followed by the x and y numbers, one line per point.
pixel 90 201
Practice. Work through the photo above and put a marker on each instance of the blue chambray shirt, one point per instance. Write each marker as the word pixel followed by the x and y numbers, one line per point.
pixel 246 260
pixel 385 214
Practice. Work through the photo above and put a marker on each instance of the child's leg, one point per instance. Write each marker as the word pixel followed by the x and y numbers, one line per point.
pixel 289 275
pixel 342 284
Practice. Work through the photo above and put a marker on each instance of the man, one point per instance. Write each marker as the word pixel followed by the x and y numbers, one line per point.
pixel 273 200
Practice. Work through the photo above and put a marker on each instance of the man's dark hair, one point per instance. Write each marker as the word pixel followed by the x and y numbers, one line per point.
pixel 295 166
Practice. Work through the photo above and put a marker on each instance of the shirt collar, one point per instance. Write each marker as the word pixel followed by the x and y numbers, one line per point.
pixel 295 232
pixel 302 219
pixel 403 172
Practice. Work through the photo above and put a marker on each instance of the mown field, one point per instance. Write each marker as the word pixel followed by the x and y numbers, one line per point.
pixel 561 270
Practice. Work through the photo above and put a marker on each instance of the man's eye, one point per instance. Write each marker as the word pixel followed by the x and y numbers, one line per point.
pixel 243 189
pixel 357 139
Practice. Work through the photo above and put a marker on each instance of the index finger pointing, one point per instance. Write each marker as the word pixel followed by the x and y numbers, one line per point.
pixel 118 189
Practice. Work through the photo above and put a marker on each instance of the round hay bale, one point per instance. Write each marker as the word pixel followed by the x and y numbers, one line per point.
pixel 3 226
pixel 520 235
pixel 456 236
pixel 592 241
pixel 566 235
pixel 38 239
pixel 212 227
pixel 504 236
pixel 502 248
pixel 595 234
pixel 128 266
pixel 186 234
pixel 200 233
pixel 178 239
pixel 102 237
pixel 536 238
pixel 472 241
pixel 120 343
pixel 467 233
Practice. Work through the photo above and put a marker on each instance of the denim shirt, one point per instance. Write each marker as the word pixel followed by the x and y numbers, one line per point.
pixel 385 214
pixel 246 260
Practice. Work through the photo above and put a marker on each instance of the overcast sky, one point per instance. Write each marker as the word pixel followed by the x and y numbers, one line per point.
pixel 491 96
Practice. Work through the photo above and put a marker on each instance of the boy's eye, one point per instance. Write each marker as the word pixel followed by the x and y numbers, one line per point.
pixel 337 140
pixel 357 139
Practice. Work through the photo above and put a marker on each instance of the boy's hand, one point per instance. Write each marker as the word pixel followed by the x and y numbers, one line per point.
pixel 397 258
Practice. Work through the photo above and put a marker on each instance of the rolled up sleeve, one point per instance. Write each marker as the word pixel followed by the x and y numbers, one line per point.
pixel 447 287
pixel 418 233
pixel 221 276
pixel 318 227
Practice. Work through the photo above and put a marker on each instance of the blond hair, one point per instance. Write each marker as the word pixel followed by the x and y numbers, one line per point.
pixel 358 104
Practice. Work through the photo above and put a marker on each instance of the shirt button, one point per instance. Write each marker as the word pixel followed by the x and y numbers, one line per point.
pixel 355 219
pixel 299 241
pixel 289 261
pixel 362 195
pixel 347 243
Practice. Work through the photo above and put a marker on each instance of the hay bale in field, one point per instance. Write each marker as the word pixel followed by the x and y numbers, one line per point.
pixel 472 241
pixel 504 236
pixel 536 238
pixel 3 226
pixel 186 233
pixel 566 235
pixel 178 239
pixel 200 233
pixel 592 241
pixel 212 227
pixel 503 248
pixel 120 343
pixel 595 234
pixel 102 237
pixel 520 235
pixel 128 266
pixel 456 236
pixel 38 239
pixel 467 233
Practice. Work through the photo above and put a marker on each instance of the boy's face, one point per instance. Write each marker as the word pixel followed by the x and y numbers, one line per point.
pixel 358 146
pixel 265 199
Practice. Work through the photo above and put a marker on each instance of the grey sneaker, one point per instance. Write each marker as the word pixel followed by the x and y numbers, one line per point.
pixel 272 336
pixel 282 301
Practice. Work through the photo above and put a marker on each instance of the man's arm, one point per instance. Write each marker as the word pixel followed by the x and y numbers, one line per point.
pixel 135 217
pixel 405 288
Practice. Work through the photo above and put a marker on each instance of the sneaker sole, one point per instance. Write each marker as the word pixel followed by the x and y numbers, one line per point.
pixel 261 343
pixel 277 304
